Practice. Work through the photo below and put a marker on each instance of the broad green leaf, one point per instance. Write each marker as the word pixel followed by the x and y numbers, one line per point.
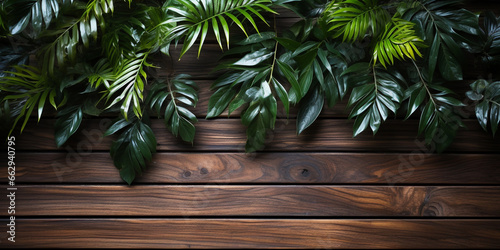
pixel 133 149
pixel 254 58
pixel 219 101
pixel 310 108
pixel 282 94
pixel 482 114
pixel 67 124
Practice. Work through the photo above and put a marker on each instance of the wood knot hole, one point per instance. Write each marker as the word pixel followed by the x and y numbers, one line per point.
pixel 305 172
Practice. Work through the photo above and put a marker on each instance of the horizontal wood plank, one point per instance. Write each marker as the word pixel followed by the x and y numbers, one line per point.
pixel 245 200
pixel 254 233
pixel 285 168
pixel 229 135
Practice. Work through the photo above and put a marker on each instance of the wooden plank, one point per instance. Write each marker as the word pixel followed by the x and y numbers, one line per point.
pixel 246 200
pixel 254 233
pixel 229 135
pixel 340 110
pixel 316 168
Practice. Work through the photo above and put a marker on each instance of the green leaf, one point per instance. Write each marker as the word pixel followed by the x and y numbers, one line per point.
pixel 494 118
pixel 416 99
pixel 282 94
pixel 178 119
pixel 117 126
pixel 219 101
pixel 254 58
pixel 291 77
pixel 310 108
pixel 195 17
pixel 129 82
pixel 482 114
pixel 434 55
pixel 352 19
pixel 450 68
pixel 398 41
pixel 289 44
pixel 133 149
pixel 426 117
pixel 67 124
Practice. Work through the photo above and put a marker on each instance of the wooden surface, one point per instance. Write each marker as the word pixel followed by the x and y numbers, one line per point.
pixel 259 233
pixel 322 189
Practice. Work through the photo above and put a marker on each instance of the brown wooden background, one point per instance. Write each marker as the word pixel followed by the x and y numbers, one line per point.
pixel 320 190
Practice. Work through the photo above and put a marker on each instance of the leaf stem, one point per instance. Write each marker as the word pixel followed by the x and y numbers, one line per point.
pixel 424 83
pixel 275 53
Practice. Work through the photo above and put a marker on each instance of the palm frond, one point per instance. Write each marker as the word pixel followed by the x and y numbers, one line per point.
pixel 38 13
pixel 443 27
pixel 352 19
pixel 180 90
pixel 374 96
pixel 27 85
pixel 195 18
pixel 129 83
pixel 82 31
pixel 398 41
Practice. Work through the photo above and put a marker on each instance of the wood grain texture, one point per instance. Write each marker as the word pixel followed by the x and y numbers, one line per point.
pixel 284 168
pixel 245 200
pixel 255 233
pixel 229 135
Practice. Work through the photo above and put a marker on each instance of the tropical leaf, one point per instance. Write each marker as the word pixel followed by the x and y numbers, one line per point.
pixel 67 124
pixel 129 86
pixel 374 96
pixel 127 33
pixel 253 83
pixel 133 149
pixel 34 13
pixel 80 32
pixel 12 54
pixel 32 89
pixel 306 8
pixel 487 96
pixel 173 95
pixel 398 41
pixel 439 123
pixel 438 120
pixel 195 18
pixel 486 45
pixel 353 19
pixel 259 117
pixel 442 26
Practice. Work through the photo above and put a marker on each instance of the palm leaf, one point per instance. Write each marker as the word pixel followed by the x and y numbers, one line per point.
pixel 442 26
pixel 374 97
pixel 398 41
pixel 37 13
pixel 31 88
pixel 80 32
pixel 129 84
pixel 195 17
pixel 178 119
pixel 352 19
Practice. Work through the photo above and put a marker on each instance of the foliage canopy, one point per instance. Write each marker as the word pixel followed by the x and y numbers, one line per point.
pixel 97 57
